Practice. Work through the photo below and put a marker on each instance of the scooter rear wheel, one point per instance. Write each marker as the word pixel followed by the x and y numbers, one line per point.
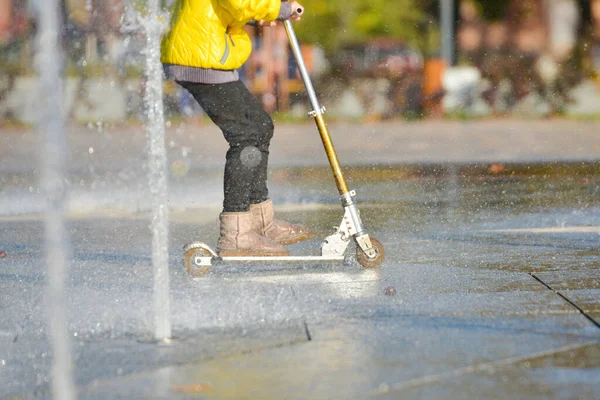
pixel 367 262
pixel 189 261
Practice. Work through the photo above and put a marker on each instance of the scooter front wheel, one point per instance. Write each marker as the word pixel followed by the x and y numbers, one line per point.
pixel 192 266
pixel 367 262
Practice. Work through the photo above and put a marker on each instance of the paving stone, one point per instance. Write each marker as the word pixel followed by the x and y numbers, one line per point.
pixel 461 244
pixel 352 359
pixel 558 374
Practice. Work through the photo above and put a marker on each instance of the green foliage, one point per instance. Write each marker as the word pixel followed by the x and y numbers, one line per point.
pixel 399 18
pixel 334 22
pixel 321 22
pixel 14 58
pixel 492 10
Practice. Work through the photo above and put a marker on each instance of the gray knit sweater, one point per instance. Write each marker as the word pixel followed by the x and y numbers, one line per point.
pixel 212 76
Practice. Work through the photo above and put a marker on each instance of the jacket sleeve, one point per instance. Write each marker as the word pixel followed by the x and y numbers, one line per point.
pixel 245 10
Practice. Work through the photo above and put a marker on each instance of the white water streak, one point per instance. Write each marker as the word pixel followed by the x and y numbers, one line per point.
pixel 153 24
pixel 51 127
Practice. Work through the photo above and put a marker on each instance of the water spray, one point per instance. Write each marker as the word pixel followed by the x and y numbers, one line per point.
pixel 51 126
pixel 154 25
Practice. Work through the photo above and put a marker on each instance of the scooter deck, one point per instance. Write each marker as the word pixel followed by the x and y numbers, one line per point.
pixel 200 259
pixel 254 265
pixel 276 259
pixel 226 265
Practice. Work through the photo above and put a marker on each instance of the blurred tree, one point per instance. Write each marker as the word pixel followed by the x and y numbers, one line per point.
pixel 492 10
pixel 99 17
pixel 331 23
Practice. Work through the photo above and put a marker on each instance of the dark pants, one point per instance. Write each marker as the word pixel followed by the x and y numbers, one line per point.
pixel 248 129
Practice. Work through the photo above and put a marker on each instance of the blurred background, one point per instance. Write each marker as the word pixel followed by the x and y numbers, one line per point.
pixel 469 128
pixel 370 59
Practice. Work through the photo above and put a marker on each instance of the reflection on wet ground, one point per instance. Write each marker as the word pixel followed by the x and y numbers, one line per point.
pixel 495 271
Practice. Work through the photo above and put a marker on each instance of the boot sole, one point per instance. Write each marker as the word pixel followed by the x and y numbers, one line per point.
pixel 296 240
pixel 250 253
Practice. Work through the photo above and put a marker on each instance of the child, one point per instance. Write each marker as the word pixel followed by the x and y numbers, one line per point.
pixel 207 43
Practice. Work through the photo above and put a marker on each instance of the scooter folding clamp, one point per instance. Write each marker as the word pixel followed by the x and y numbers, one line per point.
pixel 348 198
pixel 352 220
pixel 314 113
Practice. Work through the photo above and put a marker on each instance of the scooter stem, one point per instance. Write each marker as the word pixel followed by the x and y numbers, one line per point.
pixel 317 112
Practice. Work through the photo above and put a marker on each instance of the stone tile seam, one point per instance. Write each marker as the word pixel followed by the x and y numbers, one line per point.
pixel 307 331
pixel 305 324
pixel 486 366
pixel 566 299
pixel 466 314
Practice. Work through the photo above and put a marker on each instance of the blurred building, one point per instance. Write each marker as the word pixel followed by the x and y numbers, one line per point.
pixel 93 35
pixel 522 47
pixel 6 19
pixel 550 27
pixel 270 72
pixel 541 47
pixel 13 16
pixel 95 22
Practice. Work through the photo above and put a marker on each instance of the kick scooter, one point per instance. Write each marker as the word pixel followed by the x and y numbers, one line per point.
pixel 199 258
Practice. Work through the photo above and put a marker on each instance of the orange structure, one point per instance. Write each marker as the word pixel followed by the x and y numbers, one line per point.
pixel 433 70
pixel 268 69
pixel 5 19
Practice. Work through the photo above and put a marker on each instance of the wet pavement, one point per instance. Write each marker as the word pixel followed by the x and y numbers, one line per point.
pixel 495 266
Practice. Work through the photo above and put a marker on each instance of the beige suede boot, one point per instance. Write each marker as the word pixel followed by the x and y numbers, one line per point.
pixel 238 239
pixel 264 222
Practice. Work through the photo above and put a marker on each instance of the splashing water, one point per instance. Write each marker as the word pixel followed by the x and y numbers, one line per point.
pixel 153 25
pixel 52 134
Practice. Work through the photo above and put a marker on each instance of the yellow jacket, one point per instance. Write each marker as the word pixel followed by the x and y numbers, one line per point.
pixel 210 33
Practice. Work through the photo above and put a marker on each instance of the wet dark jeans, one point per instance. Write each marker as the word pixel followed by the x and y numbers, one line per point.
pixel 248 129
